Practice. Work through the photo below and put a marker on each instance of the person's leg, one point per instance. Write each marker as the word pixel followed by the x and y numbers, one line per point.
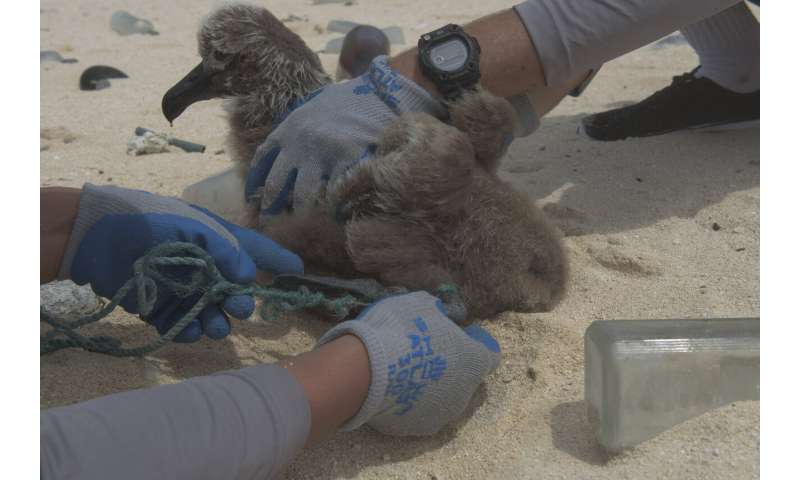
pixel 728 45
pixel 723 92
pixel 573 37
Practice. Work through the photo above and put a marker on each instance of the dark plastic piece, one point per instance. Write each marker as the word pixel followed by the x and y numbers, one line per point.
pixel 184 145
pixel 96 77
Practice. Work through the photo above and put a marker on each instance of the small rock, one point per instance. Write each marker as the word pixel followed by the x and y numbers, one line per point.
pixel 542 148
pixel 386 457
pixel 507 379
pixel 318 28
pixel 67 300
pixel 219 152
pixel 531 373
pixel 715 452
pixel 639 179
pixel 715 226
pixel 740 249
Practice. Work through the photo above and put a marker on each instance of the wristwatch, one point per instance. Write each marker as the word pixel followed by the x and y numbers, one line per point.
pixel 450 58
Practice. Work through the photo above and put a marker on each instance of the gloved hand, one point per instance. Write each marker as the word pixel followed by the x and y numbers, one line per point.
pixel 116 226
pixel 323 136
pixel 424 367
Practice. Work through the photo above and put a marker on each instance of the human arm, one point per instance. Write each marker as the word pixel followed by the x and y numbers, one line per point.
pixel 58 207
pixel 248 423
pixel 540 49
pixel 245 423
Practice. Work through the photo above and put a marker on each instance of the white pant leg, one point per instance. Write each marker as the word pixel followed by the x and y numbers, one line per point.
pixel 728 45
pixel 574 36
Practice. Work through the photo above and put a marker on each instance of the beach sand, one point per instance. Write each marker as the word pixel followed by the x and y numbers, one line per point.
pixel 638 215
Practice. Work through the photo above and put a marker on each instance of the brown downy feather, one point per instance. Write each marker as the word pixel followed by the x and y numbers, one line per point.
pixel 419 230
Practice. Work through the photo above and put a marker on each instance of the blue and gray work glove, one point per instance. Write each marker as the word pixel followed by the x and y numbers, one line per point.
pixel 425 368
pixel 327 133
pixel 116 226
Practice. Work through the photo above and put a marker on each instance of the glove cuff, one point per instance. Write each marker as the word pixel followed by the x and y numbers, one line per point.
pixel 378 366
pixel 399 93
pixel 88 215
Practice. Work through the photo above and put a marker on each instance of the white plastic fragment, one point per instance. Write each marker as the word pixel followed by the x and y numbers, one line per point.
pixel 124 23
pixel 148 143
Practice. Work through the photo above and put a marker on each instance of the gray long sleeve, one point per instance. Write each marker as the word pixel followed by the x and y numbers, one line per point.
pixel 575 36
pixel 238 424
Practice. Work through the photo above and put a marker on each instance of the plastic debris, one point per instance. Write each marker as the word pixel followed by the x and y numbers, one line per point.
pixel 395 35
pixel 53 56
pixel 184 145
pixel 124 23
pixel 341 26
pixel 148 143
pixel 645 376
pixel 97 76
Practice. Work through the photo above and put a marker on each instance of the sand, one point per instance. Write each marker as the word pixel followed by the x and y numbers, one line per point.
pixel 638 215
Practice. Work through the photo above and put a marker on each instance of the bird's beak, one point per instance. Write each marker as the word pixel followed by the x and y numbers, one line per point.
pixel 194 87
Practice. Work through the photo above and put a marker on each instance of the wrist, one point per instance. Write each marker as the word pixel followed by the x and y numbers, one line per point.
pixel 336 379
pixel 377 365
pixel 58 211
pixel 400 93
pixel 407 64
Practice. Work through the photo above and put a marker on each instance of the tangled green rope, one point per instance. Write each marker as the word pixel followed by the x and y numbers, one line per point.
pixel 151 272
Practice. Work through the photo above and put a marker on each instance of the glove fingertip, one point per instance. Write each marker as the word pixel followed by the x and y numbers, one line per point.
pixel 190 334
pixel 214 323
pixel 259 172
pixel 239 306
pixel 482 336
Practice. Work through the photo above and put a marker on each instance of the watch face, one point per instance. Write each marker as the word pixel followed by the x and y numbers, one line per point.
pixel 449 55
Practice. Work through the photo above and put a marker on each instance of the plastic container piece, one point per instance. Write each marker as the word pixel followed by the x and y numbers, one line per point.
pixel 644 376
pixel 184 145
pixel 223 194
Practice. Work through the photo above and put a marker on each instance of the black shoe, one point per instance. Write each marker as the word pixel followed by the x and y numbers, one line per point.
pixel 688 103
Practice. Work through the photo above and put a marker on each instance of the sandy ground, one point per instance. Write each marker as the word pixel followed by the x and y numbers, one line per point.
pixel 638 213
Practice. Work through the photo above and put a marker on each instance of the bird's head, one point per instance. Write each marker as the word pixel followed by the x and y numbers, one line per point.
pixel 246 52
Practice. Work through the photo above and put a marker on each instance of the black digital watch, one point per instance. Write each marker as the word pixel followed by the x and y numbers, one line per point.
pixel 450 58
